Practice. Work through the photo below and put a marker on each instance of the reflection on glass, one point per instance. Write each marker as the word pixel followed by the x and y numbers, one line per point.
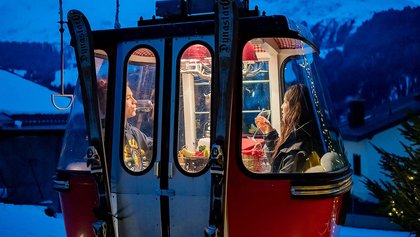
pixel 194 108
pixel 139 110
pixel 144 106
pixel 75 143
pixel 256 101
pixel 265 113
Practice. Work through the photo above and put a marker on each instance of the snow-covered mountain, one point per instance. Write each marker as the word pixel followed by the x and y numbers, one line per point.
pixel 29 21
pixel 334 20
pixel 333 23
pixel 37 21
pixel 314 12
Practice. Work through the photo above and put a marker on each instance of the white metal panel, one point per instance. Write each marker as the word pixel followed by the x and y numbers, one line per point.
pixel 190 206
pixel 136 202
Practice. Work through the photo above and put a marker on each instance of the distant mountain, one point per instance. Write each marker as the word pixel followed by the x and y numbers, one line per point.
pixel 367 46
pixel 331 21
pixel 378 62
pixel 38 61
pixel 21 22
pixel 37 21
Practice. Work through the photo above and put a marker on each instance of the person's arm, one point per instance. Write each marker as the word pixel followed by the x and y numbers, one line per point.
pixel 293 162
pixel 148 141
pixel 263 124
pixel 145 142
pixel 270 142
pixel 270 135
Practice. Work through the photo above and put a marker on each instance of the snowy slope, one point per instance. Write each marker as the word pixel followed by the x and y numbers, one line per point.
pixel 26 220
pixel 314 11
pixel 36 21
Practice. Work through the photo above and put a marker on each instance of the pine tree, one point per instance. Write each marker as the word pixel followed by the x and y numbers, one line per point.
pixel 399 199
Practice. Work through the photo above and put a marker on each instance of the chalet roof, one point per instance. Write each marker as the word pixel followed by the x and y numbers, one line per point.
pixel 5 120
pixel 27 105
pixel 21 96
pixel 382 118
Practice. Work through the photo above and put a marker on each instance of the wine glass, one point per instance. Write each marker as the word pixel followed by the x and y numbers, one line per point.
pixel 144 106
pixel 264 113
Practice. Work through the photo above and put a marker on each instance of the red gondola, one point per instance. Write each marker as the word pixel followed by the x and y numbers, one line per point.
pixel 189 160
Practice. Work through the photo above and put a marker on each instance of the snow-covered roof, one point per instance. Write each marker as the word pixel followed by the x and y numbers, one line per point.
pixel 21 96
pixel 382 118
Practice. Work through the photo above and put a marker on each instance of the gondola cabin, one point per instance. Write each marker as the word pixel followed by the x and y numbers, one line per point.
pixel 162 137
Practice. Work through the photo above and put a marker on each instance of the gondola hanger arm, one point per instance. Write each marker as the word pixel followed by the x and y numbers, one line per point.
pixel 53 96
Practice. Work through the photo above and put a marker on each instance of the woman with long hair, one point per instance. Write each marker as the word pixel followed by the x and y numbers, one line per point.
pixel 289 150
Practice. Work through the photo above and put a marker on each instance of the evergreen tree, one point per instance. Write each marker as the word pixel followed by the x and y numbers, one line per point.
pixel 400 199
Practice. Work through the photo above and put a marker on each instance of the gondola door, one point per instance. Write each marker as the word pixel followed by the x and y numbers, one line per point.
pixel 136 157
pixel 162 190
pixel 189 175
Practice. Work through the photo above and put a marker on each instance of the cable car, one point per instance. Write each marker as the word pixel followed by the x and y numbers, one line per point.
pixel 162 141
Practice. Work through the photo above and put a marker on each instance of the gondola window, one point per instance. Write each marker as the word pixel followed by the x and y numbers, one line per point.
pixel 194 108
pixel 73 154
pixel 139 110
pixel 281 142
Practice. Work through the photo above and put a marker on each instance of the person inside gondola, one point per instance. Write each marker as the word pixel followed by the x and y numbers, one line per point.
pixel 289 151
pixel 137 146
pixel 102 91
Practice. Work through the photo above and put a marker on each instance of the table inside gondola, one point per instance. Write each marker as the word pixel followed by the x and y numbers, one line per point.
pixel 195 163
pixel 252 152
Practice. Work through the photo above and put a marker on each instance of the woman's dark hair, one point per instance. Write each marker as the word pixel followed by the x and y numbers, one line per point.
pixel 299 116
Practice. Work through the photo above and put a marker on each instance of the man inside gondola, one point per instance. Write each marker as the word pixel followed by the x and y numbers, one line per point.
pixel 137 146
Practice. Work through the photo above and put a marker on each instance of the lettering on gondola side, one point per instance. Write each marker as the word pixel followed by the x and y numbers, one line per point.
pixel 225 27
pixel 80 35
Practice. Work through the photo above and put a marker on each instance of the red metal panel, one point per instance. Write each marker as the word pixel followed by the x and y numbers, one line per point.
pixel 262 207
pixel 77 206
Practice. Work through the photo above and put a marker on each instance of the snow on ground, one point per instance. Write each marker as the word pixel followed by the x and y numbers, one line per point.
pixel 30 221
pixel 357 232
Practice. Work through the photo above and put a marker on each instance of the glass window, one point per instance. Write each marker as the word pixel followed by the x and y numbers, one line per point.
pixel 139 110
pixel 256 101
pixel 287 123
pixel 194 108
pixel 75 143
pixel 101 62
